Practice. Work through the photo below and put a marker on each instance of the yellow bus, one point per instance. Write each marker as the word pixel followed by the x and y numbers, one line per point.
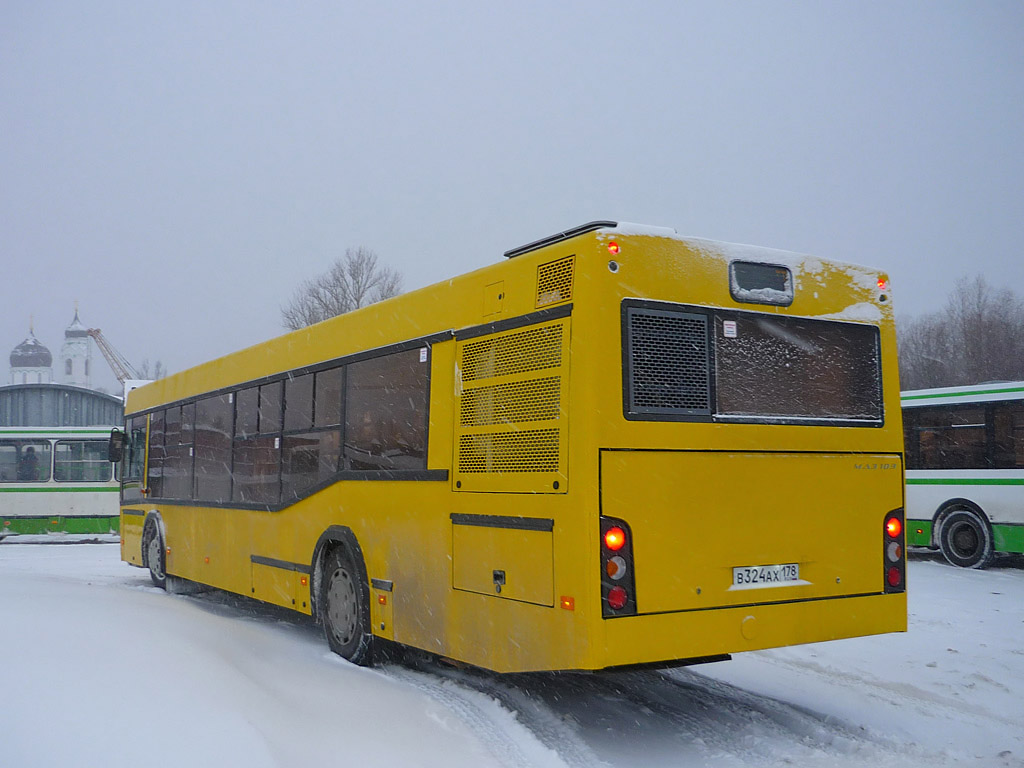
pixel 618 446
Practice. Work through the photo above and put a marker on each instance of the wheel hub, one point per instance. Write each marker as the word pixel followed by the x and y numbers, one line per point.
pixel 964 540
pixel 153 556
pixel 342 606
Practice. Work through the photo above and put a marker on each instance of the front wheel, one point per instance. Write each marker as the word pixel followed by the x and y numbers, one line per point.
pixel 345 606
pixel 966 539
pixel 153 554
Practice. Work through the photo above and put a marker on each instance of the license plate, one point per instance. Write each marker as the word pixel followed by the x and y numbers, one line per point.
pixel 756 576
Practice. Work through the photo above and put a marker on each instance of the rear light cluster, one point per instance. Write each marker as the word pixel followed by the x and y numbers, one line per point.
pixel 893 559
pixel 617 584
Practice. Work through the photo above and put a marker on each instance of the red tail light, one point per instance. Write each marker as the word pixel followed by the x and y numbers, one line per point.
pixel 617 598
pixel 894 562
pixel 615 538
pixel 618 588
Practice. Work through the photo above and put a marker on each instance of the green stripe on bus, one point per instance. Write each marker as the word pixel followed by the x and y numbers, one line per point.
pixel 29 526
pixel 972 393
pixel 57 432
pixel 922 539
pixel 1008 538
pixel 63 489
pixel 965 481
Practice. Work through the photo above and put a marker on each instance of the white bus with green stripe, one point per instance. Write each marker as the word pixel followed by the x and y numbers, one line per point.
pixel 57 480
pixel 965 470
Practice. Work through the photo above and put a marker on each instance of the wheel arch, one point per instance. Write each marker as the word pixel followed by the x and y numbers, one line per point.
pixel 951 505
pixel 335 536
pixel 153 517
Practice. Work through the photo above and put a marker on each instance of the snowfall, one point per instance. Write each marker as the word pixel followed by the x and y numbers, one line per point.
pixel 99 668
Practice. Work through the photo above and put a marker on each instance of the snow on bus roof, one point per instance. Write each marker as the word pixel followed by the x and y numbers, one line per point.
pixel 802 264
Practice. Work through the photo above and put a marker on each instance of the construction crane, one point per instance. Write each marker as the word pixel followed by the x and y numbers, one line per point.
pixel 118 364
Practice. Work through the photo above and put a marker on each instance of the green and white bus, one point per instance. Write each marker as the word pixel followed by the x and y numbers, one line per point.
pixel 57 480
pixel 965 470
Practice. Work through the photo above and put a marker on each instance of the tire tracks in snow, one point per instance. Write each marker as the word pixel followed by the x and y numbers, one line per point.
pixel 495 712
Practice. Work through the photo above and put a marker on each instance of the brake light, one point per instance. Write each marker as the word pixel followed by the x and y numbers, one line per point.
pixel 893 553
pixel 614 538
pixel 618 597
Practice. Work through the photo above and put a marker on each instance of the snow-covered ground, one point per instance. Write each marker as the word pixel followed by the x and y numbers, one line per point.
pixel 98 668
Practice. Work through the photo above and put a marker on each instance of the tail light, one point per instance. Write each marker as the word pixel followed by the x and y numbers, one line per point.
pixel 618 587
pixel 894 561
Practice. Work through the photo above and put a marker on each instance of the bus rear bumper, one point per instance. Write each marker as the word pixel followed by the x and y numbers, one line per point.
pixel 671 637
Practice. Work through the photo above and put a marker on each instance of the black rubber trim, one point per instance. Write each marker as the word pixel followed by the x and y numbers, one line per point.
pixel 282 564
pixel 546 524
pixel 390 349
pixel 384 585
pixel 139 512
pixel 540 316
pixel 558 237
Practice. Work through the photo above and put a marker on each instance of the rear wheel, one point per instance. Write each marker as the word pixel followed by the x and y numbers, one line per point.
pixel 345 607
pixel 965 539
pixel 153 554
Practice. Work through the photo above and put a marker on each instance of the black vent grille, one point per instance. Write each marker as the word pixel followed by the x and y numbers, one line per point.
pixel 668 363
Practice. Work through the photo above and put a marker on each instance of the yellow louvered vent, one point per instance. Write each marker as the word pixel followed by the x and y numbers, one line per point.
pixel 530 350
pixel 510 433
pixel 531 400
pixel 533 450
pixel 554 281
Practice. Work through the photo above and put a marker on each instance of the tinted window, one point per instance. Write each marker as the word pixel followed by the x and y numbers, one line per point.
pixel 946 437
pixel 256 473
pixel 298 403
pixel 155 471
pixel 247 412
pixel 385 412
pixel 136 449
pixel 212 448
pixel 794 368
pixel 270 408
pixel 1008 419
pixel 24 461
pixel 755 283
pixel 81 461
pixel 308 460
pixel 177 474
pixel 328 398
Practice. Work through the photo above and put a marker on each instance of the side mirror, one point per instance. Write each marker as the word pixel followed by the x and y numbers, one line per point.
pixel 115 447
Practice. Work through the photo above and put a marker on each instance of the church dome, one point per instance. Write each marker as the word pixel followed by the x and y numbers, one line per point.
pixel 31 354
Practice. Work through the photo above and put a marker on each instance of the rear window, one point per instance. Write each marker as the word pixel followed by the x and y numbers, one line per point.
pixel 694 363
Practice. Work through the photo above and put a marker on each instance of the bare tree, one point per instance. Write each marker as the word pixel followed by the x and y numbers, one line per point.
pixel 353 281
pixel 158 372
pixel 978 336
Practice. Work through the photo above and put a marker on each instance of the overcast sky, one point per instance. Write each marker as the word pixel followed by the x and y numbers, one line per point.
pixel 178 168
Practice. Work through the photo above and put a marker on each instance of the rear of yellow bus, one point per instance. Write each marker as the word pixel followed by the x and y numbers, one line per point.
pixel 749 447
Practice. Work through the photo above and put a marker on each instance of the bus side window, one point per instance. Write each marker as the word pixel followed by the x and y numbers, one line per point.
pixel 136 449
pixel 1008 428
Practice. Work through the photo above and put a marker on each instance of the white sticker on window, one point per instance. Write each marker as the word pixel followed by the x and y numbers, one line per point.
pixel 423 355
pixel 729 329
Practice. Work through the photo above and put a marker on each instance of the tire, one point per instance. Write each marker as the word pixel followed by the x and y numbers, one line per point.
pixel 345 607
pixel 965 539
pixel 154 554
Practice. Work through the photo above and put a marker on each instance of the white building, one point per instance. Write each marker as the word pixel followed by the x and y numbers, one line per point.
pixel 75 364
